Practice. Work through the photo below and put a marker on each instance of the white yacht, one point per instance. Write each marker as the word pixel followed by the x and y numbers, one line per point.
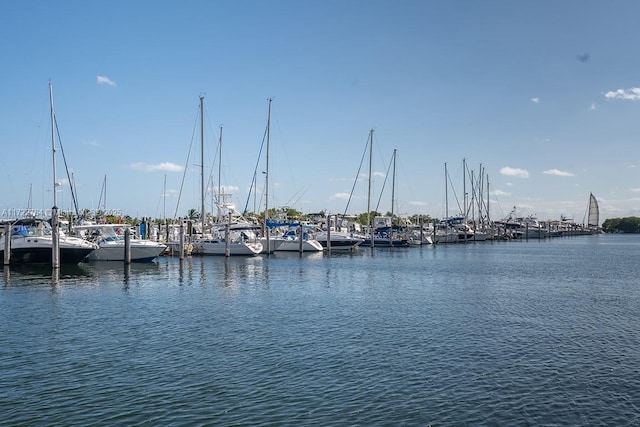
pixel 32 241
pixel 110 239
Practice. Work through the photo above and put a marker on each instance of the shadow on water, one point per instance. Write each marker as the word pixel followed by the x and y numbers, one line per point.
pixel 83 272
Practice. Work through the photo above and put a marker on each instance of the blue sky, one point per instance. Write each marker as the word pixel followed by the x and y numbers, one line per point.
pixel 544 95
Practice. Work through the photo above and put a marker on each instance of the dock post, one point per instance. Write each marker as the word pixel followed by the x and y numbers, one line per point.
pixel 181 241
pixel 329 231
pixel 55 239
pixel 300 238
pixel 227 248
pixel 7 244
pixel 127 245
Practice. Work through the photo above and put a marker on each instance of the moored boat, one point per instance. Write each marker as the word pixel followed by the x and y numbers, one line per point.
pixel 32 243
pixel 110 239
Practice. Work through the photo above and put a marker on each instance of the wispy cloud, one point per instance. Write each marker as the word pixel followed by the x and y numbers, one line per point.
pixel 632 94
pixel 104 80
pixel 365 176
pixel 499 193
pixel 92 143
pixel 592 107
pixel 635 190
pixel 518 173
pixel 171 193
pixel 340 196
pixel 535 100
pixel 417 203
pixel 557 172
pixel 165 166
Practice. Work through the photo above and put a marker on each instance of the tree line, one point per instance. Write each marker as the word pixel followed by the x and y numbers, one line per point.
pixel 630 224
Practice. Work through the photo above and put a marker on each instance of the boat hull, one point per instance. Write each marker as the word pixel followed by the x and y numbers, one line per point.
pixel 139 252
pixel 294 245
pixel 221 247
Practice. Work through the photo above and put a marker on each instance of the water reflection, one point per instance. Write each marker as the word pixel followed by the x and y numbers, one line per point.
pixel 21 274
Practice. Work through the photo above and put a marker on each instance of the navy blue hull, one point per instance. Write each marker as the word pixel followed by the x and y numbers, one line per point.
pixel 43 255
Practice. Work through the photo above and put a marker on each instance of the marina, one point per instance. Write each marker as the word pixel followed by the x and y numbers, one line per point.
pixel 493 333
pixel 421 214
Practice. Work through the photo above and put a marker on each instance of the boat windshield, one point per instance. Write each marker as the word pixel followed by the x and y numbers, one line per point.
pixel 41 228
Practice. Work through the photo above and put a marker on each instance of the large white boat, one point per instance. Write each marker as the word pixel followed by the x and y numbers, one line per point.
pixel 110 239
pixel 337 240
pixel 291 242
pixel 32 241
pixel 227 240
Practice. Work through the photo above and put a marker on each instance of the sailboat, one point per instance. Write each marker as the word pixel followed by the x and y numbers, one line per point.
pixel 36 241
pixel 384 232
pixel 225 237
pixel 593 218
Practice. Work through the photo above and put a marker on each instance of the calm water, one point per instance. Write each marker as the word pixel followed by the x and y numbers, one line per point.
pixel 519 333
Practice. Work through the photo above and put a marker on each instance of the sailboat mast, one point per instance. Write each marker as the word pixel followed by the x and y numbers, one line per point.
pixel 488 201
pixel 202 212
pixel 53 146
pixel 55 237
pixel 464 188
pixel 220 177
pixel 266 185
pixel 104 206
pixel 446 192
pixel 393 185
pixel 369 191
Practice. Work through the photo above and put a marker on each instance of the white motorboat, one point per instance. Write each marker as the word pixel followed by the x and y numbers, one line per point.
pixel 32 241
pixel 231 242
pixel 291 242
pixel 338 240
pixel 110 239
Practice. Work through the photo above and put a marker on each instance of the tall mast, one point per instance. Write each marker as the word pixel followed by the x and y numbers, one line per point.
pixel 446 192
pixel 202 212
pixel 55 237
pixel 104 206
pixel 488 199
pixel 53 145
pixel 266 181
pixel 393 185
pixel 220 201
pixel 464 188
pixel 266 184
pixel 369 191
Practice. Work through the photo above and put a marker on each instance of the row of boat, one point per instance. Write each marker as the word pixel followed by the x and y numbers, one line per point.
pixel 30 240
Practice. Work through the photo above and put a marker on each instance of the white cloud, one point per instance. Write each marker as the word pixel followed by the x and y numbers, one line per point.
pixel 557 172
pixel 226 189
pixel 632 94
pixel 635 190
pixel 518 173
pixel 340 196
pixel 365 176
pixel 103 80
pixel 417 203
pixel 92 143
pixel 592 107
pixel 499 193
pixel 165 166
pixel 171 193
pixel 535 100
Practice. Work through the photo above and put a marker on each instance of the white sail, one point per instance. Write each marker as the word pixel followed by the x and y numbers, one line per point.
pixel 594 212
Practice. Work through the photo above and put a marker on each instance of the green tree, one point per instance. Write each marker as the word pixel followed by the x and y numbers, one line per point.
pixel 629 224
